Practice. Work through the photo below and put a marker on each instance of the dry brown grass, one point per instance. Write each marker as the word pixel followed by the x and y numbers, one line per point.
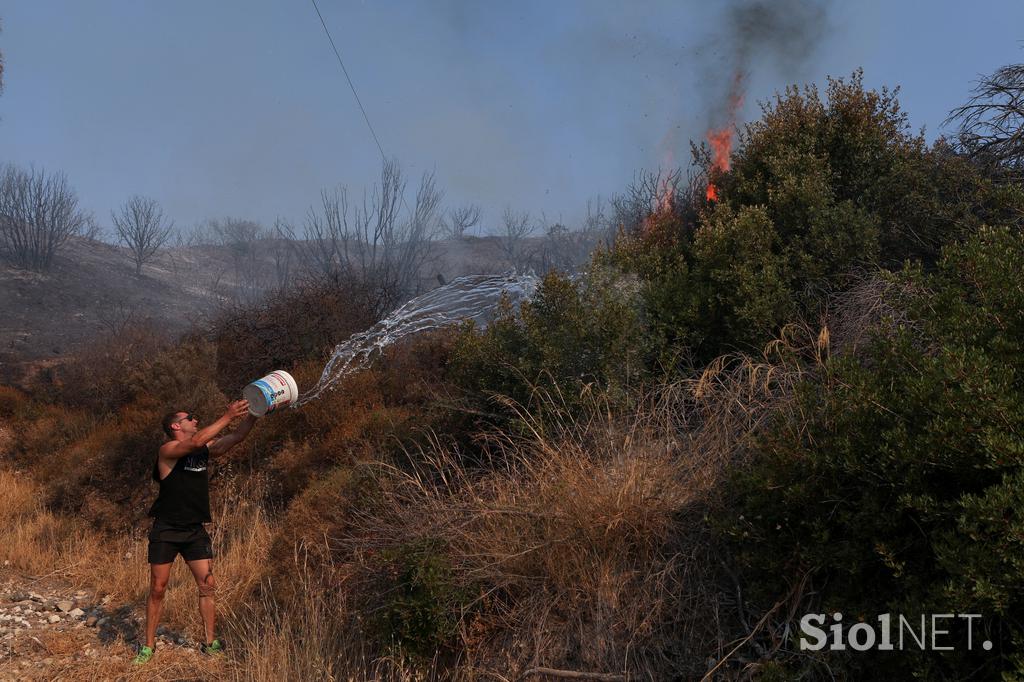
pixel 43 546
pixel 874 301
pixel 715 414
pixel 55 446
pixel 34 540
pixel 303 640
pixel 113 662
pixel 583 544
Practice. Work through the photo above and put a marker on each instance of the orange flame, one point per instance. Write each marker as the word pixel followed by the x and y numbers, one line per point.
pixel 666 200
pixel 721 138
pixel 665 207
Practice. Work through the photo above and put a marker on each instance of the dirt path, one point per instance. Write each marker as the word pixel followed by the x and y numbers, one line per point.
pixel 50 633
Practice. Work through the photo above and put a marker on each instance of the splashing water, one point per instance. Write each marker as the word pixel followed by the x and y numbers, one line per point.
pixel 473 297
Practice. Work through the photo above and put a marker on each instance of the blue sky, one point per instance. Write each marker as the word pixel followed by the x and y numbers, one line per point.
pixel 238 108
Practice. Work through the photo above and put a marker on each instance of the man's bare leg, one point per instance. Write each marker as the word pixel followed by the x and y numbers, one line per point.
pixel 158 575
pixel 202 571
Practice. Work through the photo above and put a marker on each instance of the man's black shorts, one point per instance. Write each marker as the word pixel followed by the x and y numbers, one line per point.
pixel 166 541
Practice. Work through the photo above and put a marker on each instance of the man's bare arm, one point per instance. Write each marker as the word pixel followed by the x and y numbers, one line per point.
pixel 181 448
pixel 222 445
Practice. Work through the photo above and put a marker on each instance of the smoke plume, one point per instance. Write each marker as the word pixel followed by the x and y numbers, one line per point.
pixel 783 33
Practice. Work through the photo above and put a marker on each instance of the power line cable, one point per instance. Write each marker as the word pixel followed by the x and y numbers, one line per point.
pixel 352 87
pixel 350 84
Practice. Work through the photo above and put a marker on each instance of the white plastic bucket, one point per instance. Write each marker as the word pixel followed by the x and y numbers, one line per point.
pixel 272 392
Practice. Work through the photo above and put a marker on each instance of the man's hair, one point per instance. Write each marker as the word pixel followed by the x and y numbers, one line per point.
pixel 169 419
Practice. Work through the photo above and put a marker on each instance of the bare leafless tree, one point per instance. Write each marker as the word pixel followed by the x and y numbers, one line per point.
pixel 92 230
pixel 555 251
pixel 117 314
pixel 410 245
pixel 565 249
pixel 516 229
pixel 284 253
pixel 643 196
pixel 199 234
pixel 243 240
pixel 597 224
pixel 324 233
pixel 370 241
pixel 991 123
pixel 595 220
pixel 236 233
pixel 462 219
pixel 39 213
pixel 142 227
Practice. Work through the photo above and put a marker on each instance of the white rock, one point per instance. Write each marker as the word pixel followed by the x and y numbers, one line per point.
pixel 65 605
pixel 54 618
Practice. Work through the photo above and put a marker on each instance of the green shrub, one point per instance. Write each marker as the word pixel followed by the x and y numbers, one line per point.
pixel 571 335
pixel 899 478
pixel 806 157
pixel 817 188
pixel 421 605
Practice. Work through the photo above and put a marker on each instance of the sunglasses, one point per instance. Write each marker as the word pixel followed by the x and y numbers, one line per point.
pixel 189 417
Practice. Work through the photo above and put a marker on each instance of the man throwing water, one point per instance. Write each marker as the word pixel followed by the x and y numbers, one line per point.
pixel 181 509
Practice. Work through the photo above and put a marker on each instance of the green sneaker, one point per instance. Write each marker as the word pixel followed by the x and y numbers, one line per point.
pixel 145 653
pixel 213 648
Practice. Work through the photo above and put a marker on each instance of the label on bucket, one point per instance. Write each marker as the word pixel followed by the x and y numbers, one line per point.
pixel 271 392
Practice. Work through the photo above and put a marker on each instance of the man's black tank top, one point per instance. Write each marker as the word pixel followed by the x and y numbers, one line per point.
pixel 184 497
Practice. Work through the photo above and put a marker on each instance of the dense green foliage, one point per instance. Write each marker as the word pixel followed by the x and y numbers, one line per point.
pixel 418 594
pixel 818 188
pixel 901 483
pixel 571 335
pixel 897 481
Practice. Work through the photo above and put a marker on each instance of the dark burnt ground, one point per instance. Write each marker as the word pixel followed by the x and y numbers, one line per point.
pixel 92 289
